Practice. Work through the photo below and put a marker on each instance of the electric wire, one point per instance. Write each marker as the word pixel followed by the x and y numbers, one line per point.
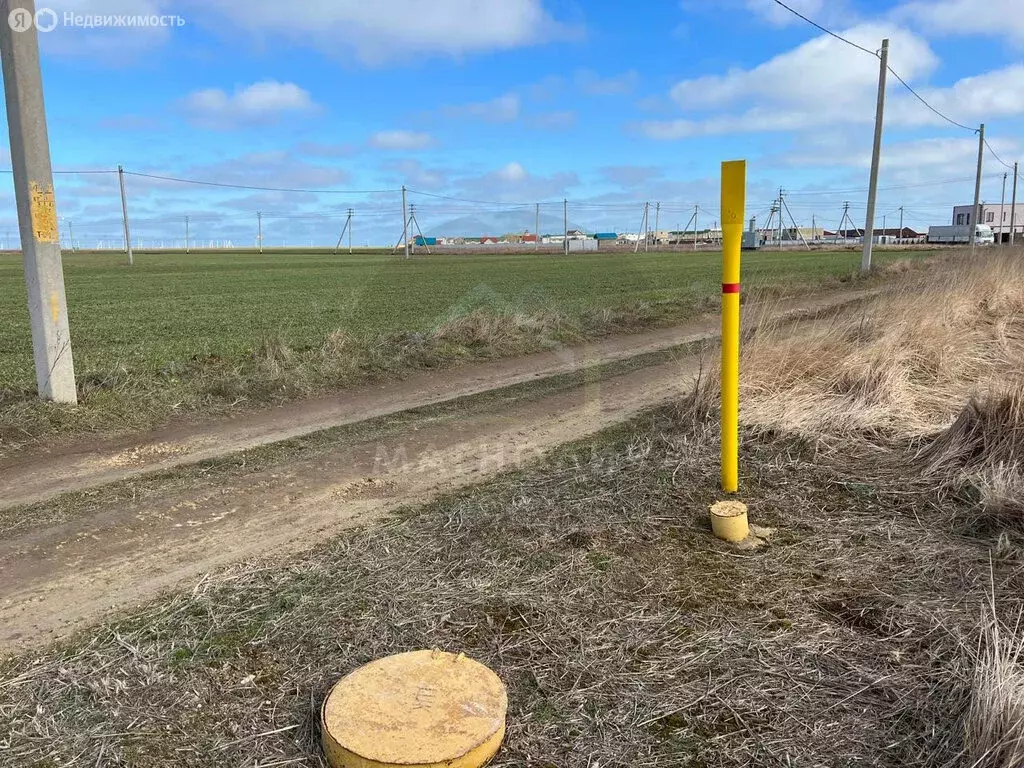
pixel 262 189
pixel 892 71
pixel 1006 165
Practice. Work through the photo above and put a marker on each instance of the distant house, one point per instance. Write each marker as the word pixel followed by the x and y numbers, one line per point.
pixel 529 238
pixel 998 216
pixel 576 234
pixel 488 240
pixel 606 239
pixel 892 234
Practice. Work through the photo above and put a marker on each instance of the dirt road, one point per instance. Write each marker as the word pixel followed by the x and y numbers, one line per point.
pixel 124 552
pixel 38 475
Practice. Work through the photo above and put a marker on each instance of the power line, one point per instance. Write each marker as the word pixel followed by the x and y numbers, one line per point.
pixel 477 202
pixel 997 157
pixel 826 31
pixel 83 173
pixel 892 71
pixel 262 189
pixel 921 98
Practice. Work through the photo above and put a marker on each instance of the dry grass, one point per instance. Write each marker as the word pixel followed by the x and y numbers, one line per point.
pixel 920 391
pixel 934 359
pixel 627 635
pixel 995 719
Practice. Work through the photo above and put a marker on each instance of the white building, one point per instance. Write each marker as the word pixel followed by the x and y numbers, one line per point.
pixel 996 216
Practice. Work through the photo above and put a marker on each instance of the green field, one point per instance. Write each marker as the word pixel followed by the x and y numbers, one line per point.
pixel 131 326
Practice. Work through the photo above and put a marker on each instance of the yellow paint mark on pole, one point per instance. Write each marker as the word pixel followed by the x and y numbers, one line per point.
pixel 43 207
pixel 55 307
pixel 734 193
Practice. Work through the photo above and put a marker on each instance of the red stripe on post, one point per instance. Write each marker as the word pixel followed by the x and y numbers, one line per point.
pixel 730 287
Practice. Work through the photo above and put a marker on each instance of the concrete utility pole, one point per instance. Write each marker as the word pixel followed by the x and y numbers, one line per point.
pixel 647 227
pixel 37 207
pixel 814 227
pixel 124 214
pixel 696 210
pixel 259 231
pixel 900 238
pixel 1002 210
pixel 71 234
pixel 657 223
pixel 876 157
pixel 405 224
pixel 341 237
pixel 187 247
pixel 643 228
pixel 412 218
pixel 536 227
pixel 1013 207
pixel 782 223
pixel 977 187
pixel 565 217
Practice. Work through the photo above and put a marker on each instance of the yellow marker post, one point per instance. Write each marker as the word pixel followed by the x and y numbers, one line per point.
pixel 734 192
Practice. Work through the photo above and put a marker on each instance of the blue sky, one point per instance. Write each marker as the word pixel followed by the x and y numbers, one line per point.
pixel 515 102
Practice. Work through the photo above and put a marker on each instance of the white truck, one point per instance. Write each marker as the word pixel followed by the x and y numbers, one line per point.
pixel 983 235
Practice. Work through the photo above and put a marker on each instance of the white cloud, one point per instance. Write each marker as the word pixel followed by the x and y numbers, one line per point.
pixel 615 85
pixel 513 183
pixel 512 172
pixel 947 157
pixel 547 88
pixel 318 149
pixel 631 176
pixel 827 12
pixel 959 17
pixel 503 109
pixel 374 32
pixel 823 73
pixel 413 173
pixel 275 168
pixel 824 82
pixel 554 121
pixel 970 101
pixel 401 140
pixel 386 30
pixel 106 45
pixel 974 99
pixel 259 103
pixel 775 14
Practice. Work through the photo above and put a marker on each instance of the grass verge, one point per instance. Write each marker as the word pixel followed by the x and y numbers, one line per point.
pixel 877 628
pixel 208 334
pixel 626 634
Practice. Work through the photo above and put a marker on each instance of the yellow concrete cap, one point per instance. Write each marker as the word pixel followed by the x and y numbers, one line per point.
pixel 729 521
pixel 424 709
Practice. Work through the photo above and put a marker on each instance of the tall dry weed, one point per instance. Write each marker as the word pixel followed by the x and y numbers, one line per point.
pixel 936 356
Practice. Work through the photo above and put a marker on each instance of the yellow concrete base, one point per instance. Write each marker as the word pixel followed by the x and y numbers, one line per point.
pixel 424 709
pixel 729 521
